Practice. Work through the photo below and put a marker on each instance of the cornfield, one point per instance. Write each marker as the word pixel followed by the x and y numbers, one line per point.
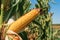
pixel 38 29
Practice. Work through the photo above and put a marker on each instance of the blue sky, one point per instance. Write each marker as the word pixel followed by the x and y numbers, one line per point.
pixel 55 8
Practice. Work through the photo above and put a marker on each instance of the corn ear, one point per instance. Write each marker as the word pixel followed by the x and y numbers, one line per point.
pixel 22 22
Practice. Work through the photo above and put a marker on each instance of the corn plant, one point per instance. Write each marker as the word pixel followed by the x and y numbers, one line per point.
pixel 39 28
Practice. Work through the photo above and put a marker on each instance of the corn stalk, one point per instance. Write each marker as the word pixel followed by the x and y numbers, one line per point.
pixel 1 18
pixel 1 13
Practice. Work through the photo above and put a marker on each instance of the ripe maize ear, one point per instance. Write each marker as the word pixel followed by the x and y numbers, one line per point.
pixel 22 22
